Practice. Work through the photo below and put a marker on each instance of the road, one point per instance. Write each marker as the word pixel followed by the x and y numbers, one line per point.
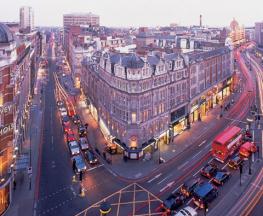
pixel 58 195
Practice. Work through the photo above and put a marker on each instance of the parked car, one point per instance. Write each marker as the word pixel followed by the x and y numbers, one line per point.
pixel 73 147
pixel 209 170
pixel 235 162
pixel 91 157
pixel 82 131
pixel 247 149
pixel 63 111
pixel 80 163
pixel 187 211
pixel 76 119
pixel 173 202
pixel 204 194
pixel 60 103
pixel 188 187
pixel 221 177
pixel 83 142
pixel 65 121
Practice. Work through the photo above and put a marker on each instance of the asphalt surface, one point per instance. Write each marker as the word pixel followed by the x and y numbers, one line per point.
pixel 59 196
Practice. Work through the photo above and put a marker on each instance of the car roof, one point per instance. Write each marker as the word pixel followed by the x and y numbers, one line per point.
pixel 203 189
pixel 247 145
pixel 219 174
pixel 187 211
pixel 77 158
pixel 73 143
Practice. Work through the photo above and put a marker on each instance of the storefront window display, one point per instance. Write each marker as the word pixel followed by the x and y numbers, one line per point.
pixel 4 198
pixel 180 126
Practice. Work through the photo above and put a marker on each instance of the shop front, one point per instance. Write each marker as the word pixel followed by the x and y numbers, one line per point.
pixel 178 122
pixel 203 107
pixel 179 126
pixel 93 111
pixel 163 138
pixel 5 195
pixel 105 130
pixel 194 113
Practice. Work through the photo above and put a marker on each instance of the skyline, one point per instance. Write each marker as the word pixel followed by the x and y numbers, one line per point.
pixel 50 13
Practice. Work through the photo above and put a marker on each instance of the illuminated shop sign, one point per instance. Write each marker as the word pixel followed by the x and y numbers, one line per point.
pixel 6 129
pixel 6 109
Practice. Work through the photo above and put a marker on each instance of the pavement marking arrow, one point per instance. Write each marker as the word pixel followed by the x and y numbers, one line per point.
pixel 167 186
pixel 155 177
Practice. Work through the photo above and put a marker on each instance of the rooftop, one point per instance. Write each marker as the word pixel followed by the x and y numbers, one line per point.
pixel 6 35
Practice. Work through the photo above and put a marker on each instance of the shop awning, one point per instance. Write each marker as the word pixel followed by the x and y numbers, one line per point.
pixel 148 143
pixel 119 143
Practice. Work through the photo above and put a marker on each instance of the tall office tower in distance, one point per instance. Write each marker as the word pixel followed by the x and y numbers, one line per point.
pixel 26 19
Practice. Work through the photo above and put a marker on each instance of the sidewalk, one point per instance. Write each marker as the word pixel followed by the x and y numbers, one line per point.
pixel 179 144
pixel 23 198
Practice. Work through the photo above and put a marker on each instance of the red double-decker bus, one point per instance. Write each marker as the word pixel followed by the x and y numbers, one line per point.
pixel 226 143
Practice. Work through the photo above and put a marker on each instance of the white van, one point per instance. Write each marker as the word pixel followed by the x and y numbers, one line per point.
pixel 187 211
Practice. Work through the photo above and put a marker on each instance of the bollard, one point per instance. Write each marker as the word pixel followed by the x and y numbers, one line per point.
pixel 81 192
pixel 74 178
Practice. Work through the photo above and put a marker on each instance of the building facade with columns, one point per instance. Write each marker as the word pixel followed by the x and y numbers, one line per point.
pixel 142 102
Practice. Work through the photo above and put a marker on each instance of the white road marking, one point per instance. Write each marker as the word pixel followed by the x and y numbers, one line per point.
pixel 197 154
pixel 210 160
pixel 155 177
pixel 73 191
pixel 167 186
pixel 197 172
pixel 202 143
pixel 176 188
pixel 181 166
pixel 164 179
pixel 93 168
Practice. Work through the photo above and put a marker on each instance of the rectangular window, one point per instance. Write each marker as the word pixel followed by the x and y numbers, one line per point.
pixel 133 115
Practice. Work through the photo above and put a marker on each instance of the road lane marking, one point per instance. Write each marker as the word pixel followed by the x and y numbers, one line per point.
pixel 224 166
pixel 167 186
pixel 73 191
pixel 197 172
pixel 95 167
pixel 155 177
pixel 164 179
pixel 202 143
pixel 177 188
pixel 197 154
pixel 184 164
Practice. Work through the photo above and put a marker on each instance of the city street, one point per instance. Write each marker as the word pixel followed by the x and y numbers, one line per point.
pixel 59 194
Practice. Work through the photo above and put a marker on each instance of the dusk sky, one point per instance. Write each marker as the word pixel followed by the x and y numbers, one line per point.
pixel 140 12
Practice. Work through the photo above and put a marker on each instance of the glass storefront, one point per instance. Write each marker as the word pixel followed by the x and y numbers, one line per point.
pixel 194 114
pixel 226 91
pixel 164 138
pixel 180 126
pixel 104 129
pixel 94 112
pixel 202 109
pixel 4 198
pixel 219 96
